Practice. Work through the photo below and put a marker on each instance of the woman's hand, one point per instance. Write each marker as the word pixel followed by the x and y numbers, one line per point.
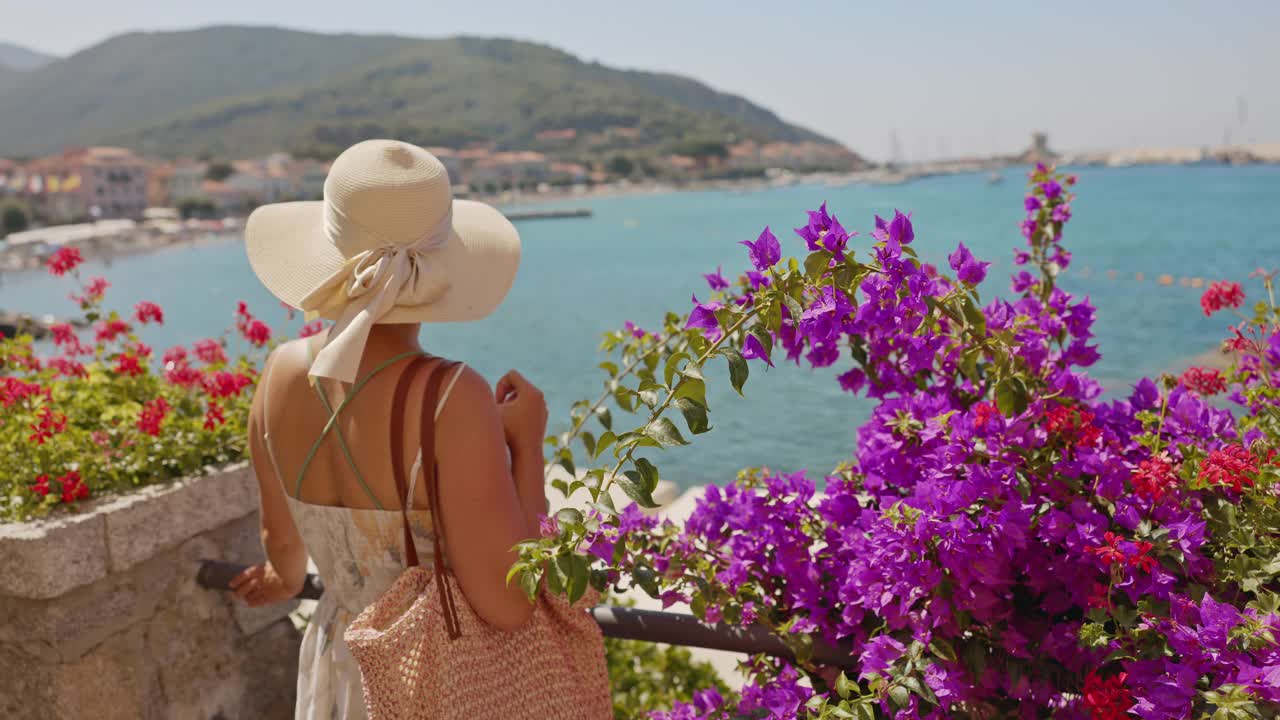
pixel 523 411
pixel 262 585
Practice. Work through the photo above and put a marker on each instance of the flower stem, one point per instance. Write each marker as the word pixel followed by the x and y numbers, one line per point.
pixel 671 394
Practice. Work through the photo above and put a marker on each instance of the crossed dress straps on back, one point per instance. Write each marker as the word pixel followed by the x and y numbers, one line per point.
pixel 331 426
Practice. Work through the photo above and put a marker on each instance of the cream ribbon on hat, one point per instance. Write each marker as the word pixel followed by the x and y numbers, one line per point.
pixel 367 286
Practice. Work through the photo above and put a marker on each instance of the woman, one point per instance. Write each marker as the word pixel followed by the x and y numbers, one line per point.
pixel 386 250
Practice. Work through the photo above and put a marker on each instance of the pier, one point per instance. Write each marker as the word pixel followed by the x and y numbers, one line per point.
pixel 519 215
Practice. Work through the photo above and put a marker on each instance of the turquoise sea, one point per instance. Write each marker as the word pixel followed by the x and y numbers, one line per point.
pixel 643 254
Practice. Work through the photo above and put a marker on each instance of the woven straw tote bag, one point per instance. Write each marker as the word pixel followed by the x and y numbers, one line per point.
pixel 424 653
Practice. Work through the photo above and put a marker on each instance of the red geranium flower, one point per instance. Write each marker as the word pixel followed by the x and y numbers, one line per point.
pixel 213 417
pixel 1154 478
pixel 1107 699
pixel 1233 466
pixel 257 333
pixel 225 384
pixel 311 329
pixel 1221 294
pixel 153 415
pixel 73 488
pixel 127 364
pixel 175 355
pixel 94 290
pixel 1203 381
pixel 62 333
pixel 64 261
pixel 41 486
pixel 67 367
pixel 109 330
pixel 209 351
pixel 1073 425
pixel 1109 551
pixel 50 424
pixel 145 312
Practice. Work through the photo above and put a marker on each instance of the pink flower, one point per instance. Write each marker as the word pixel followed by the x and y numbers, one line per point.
pixel 94 290
pixel 183 375
pixel 310 329
pixel 225 384
pixel 1233 466
pixel 64 261
pixel 67 367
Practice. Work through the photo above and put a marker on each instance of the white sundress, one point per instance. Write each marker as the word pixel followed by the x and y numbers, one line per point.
pixel 359 554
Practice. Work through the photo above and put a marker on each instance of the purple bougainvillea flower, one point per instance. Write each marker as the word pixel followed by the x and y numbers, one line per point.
pixel 635 330
pixel 716 280
pixel 897 231
pixel 819 222
pixel 880 654
pixel 1023 281
pixel 753 350
pixel 1032 203
pixel 757 280
pixel 765 251
pixel 852 381
pixel 1051 189
pixel 968 268
pixel 835 239
pixel 703 315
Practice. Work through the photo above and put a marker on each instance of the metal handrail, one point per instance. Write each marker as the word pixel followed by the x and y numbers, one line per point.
pixel 619 622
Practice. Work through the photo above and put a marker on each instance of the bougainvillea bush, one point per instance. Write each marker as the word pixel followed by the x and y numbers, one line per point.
pixel 100 411
pixel 1006 540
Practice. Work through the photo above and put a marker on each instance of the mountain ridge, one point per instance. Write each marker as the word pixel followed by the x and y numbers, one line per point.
pixel 237 90
pixel 15 57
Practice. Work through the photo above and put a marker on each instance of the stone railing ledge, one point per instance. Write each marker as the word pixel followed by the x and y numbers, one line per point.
pixel 47 557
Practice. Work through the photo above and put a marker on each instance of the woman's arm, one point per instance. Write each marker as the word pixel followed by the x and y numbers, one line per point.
pixel 282 576
pixel 482 510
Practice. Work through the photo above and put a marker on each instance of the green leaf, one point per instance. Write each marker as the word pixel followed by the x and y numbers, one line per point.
pixel 648 473
pixel 974 316
pixel 609 367
pixel 569 517
pixel 603 443
pixel 664 432
pixel 942 649
pixel 1011 397
pixel 844 687
pixel 529 582
pixel 738 369
pixel 817 263
pixel 623 397
pixel 669 370
pixel 605 417
pixel 794 307
pixel 693 389
pixel 589 442
pixel 900 696
pixel 576 575
pixel 695 415
pixel 566 462
pixel 634 486
pixel 554 578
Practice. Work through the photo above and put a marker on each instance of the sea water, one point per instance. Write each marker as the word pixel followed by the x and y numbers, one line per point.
pixel 640 255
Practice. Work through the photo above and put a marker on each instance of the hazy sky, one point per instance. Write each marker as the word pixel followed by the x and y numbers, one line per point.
pixel 946 78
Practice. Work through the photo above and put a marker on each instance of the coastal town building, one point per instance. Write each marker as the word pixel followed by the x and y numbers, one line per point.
pixel 86 183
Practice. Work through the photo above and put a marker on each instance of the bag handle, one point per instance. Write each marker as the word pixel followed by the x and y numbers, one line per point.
pixel 397 451
pixel 432 475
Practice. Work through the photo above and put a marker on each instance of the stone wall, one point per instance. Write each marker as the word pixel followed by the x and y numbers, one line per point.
pixel 101 616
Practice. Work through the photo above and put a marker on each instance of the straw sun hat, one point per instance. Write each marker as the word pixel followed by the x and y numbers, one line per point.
pixel 388 244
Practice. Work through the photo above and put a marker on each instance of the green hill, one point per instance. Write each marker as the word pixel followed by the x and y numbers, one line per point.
pixel 237 91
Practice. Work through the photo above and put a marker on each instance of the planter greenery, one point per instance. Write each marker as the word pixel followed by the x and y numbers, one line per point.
pixel 102 413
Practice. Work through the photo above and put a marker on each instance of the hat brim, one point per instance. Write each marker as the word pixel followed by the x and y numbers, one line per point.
pixel 291 256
